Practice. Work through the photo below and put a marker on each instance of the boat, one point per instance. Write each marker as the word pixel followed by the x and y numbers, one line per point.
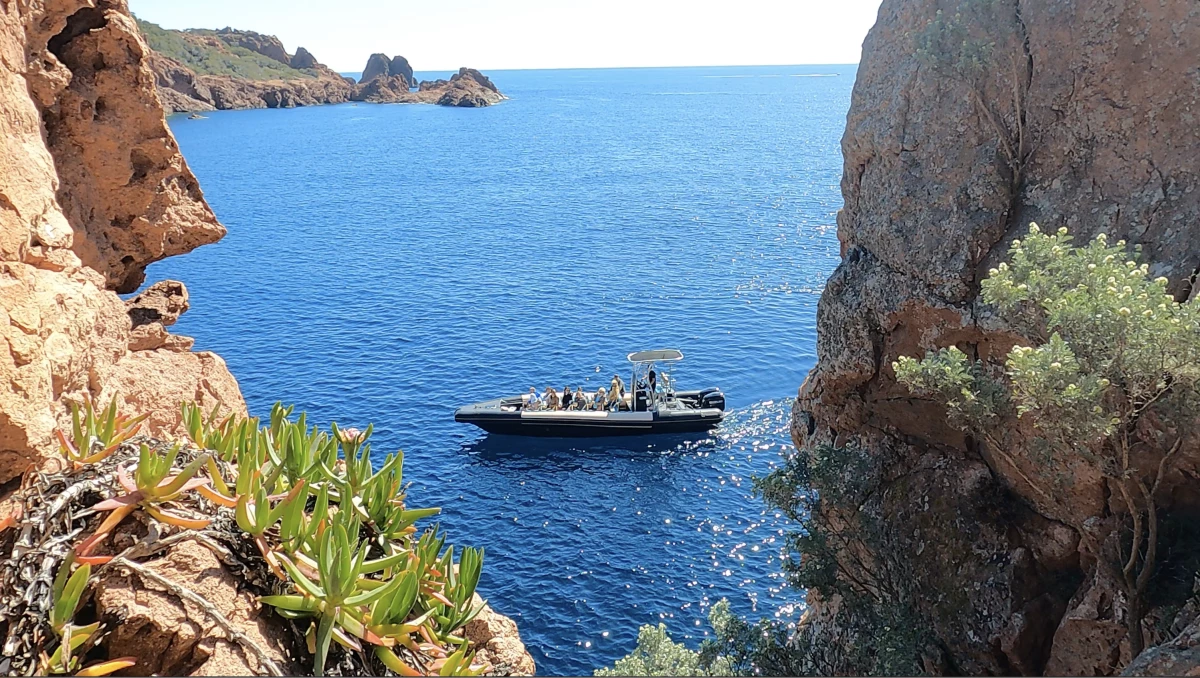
pixel 652 406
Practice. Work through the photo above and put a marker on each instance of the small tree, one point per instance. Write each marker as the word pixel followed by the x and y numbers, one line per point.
pixel 1110 346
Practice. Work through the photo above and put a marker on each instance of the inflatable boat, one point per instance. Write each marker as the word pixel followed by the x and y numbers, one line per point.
pixel 651 406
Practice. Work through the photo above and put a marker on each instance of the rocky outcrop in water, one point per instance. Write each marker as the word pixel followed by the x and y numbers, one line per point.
pixel 378 65
pixel 400 67
pixel 297 80
pixel 390 81
pixel 468 88
pixel 1082 117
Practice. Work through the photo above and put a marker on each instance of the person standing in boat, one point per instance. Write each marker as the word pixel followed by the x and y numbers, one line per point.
pixel 614 399
pixel 616 388
pixel 567 397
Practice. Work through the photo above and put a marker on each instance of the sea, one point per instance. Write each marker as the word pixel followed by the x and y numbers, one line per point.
pixel 387 264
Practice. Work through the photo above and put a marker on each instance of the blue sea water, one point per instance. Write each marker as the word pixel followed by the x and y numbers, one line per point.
pixel 388 263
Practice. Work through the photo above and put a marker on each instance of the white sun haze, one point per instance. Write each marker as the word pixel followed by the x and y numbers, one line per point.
pixel 514 34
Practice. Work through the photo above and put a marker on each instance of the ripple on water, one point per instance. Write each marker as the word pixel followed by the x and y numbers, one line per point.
pixel 388 263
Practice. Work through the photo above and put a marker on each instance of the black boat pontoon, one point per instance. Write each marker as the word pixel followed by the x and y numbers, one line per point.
pixel 653 406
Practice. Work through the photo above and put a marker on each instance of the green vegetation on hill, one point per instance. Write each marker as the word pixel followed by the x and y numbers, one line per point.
pixel 205 53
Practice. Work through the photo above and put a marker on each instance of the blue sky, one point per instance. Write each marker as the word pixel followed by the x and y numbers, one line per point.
pixel 500 34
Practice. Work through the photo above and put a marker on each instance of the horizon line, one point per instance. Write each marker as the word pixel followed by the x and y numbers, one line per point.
pixel 613 68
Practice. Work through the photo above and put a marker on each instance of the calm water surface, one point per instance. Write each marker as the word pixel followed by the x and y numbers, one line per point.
pixel 389 263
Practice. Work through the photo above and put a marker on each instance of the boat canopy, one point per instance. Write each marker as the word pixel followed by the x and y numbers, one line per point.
pixel 662 355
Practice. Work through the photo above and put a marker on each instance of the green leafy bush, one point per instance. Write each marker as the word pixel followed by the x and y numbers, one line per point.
pixel 657 655
pixel 1110 347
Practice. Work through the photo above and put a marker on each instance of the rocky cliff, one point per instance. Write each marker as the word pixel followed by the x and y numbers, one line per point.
pixel 207 70
pixel 93 188
pixel 1077 113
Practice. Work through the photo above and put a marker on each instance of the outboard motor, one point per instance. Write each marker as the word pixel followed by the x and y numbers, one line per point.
pixel 712 398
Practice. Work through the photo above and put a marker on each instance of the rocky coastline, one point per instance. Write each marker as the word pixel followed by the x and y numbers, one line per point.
pixel 94 189
pixel 298 79
pixel 1082 119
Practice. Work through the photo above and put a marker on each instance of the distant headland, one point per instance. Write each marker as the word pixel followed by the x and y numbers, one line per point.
pixel 206 70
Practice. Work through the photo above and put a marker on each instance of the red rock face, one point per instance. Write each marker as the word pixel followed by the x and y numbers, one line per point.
pixel 93 189
pixel 1104 95
pixel 303 59
pixel 377 65
pixel 132 201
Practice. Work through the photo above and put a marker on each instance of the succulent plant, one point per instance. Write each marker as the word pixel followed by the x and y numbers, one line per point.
pixel 459 591
pixel 342 593
pixel 255 515
pixel 383 501
pixel 324 519
pixel 96 435
pixel 214 433
pixel 150 487
pixel 66 594
pixel 297 529
pixel 296 449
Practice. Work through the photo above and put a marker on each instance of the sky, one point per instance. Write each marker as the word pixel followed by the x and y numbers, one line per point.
pixel 518 34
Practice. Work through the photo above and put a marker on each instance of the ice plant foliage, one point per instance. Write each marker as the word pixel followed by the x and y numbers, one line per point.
pixel 329 525
pixel 154 483
pixel 96 435
pixel 1110 344
pixel 66 594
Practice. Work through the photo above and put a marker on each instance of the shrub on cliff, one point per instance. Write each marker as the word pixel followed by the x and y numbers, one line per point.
pixel 1112 377
pixel 879 634
pixel 657 655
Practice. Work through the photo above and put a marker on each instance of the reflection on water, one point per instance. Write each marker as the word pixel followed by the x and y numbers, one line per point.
pixel 515 453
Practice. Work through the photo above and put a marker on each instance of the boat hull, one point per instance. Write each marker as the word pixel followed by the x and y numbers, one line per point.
pixel 490 417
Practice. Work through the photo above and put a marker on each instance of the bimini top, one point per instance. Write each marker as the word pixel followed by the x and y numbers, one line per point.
pixel 663 355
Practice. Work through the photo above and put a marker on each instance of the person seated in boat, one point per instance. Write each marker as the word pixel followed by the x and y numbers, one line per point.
pixel 580 401
pixel 598 402
pixel 567 397
pixel 534 402
pixel 551 398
